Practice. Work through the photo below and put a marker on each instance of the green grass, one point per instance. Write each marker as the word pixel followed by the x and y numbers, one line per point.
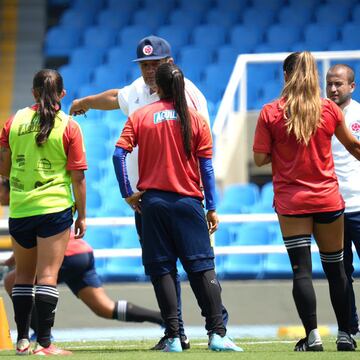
pixel 266 349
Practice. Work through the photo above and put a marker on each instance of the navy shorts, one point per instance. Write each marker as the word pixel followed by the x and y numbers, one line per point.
pixel 26 230
pixel 174 226
pixel 321 217
pixel 78 271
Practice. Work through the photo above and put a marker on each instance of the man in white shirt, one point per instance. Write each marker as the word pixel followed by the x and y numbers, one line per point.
pixel 340 85
pixel 151 52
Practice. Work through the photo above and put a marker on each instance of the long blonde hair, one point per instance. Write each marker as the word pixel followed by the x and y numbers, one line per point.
pixel 302 108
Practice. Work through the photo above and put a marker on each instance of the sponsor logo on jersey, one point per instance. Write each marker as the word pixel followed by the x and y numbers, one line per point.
pixel 355 129
pixel 165 115
pixel 148 49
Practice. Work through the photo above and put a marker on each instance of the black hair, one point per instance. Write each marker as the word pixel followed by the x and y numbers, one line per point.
pixel 349 69
pixel 48 86
pixel 170 79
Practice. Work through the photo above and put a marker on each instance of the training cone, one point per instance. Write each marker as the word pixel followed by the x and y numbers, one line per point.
pixel 5 338
pixel 296 332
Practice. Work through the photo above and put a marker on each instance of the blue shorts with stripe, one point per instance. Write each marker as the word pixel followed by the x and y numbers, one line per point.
pixel 174 226
pixel 78 271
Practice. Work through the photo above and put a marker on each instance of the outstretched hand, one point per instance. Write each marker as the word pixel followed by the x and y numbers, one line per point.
pixel 78 107
pixel 134 201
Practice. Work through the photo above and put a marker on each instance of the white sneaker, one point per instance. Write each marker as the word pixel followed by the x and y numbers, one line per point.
pixel 311 343
pixel 23 347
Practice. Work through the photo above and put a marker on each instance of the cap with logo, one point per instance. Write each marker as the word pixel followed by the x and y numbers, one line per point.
pixel 152 48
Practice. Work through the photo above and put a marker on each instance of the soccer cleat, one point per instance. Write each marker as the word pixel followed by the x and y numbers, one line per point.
pixel 218 343
pixel 23 347
pixel 50 350
pixel 185 343
pixel 345 342
pixel 311 343
pixel 172 345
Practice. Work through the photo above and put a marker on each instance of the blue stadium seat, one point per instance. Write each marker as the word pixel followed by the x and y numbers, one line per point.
pixel 304 4
pixel 223 235
pixel 216 75
pixel 73 77
pixel 198 5
pixel 209 36
pixel 245 37
pixel 124 5
pixel 79 19
pixel 86 57
pixel 211 93
pixel 320 35
pixel 124 269
pixel 260 208
pixel 355 14
pixel 334 14
pixel 160 5
pixel 194 73
pixel 294 16
pixel 270 91
pixel 99 37
pixel 99 237
pixel 93 202
pixel 188 54
pixel 109 77
pixel 341 46
pixel 283 35
pixel 86 5
pixel 243 266
pixel 350 35
pixel 252 234
pixel 176 35
pixel 128 237
pixel 121 56
pixel 267 193
pixel 61 40
pixel 222 17
pixel 132 34
pixel 277 266
pixel 270 48
pixel 87 89
pixel 231 5
pixel 270 5
pixel 113 20
pixel 317 269
pixel 302 46
pixel 152 18
pixel 227 55
pixel 260 18
pixel 186 18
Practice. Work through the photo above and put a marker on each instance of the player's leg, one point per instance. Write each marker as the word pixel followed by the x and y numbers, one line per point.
pixel 296 232
pixel 328 233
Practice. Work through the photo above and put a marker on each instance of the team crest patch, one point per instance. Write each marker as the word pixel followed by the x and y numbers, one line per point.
pixel 148 50
pixel 165 115
pixel 355 129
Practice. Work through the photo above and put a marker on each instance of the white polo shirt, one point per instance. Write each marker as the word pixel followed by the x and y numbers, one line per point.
pixel 137 95
pixel 347 168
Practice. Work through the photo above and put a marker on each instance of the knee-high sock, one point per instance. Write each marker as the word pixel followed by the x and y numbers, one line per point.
pixel 46 299
pixel 127 311
pixel 165 291
pixel 298 248
pixel 207 291
pixel 23 301
pixel 333 266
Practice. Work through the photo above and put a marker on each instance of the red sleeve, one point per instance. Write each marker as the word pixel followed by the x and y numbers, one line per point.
pixel 74 147
pixel 262 139
pixel 204 145
pixel 4 138
pixel 127 139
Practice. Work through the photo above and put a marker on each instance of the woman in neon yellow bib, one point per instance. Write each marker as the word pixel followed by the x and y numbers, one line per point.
pixel 42 153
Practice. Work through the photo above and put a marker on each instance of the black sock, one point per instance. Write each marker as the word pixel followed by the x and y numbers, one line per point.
pixel 333 266
pixel 207 291
pixel 34 320
pixel 23 300
pixel 299 251
pixel 165 291
pixel 127 311
pixel 46 299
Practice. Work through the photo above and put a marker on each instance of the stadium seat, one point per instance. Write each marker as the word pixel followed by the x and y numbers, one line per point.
pixel 61 40
pixel 267 194
pixel 86 5
pixel 258 17
pixel 216 75
pixel 132 34
pixel 128 237
pixel 304 4
pixel 124 5
pixel 271 91
pixel 160 5
pixel 73 77
pixel 223 235
pixel 294 16
pixel 124 268
pixel 209 36
pixel 120 56
pixel 198 5
pixel 109 77
pixel 350 35
pixel 231 5
pixel 78 19
pixel 334 14
pixel 244 38
pixel 341 46
pixel 282 35
pixel 89 57
pixel 99 37
pixel 270 5
pixel 194 73
pixel 226 55
pixel 93 202
pixel 320 35
pixel 99 237
pixel 87 89
pixel 222 17
pixel 302 46
pixel 317 269
pixel 176 35
pixel 114 20
pixel 152 18
pixel 186 18
pixel 260 208
pixel 355 14
pixel 188 54
pixel 277 266
pixel 243 266
pixel 252 234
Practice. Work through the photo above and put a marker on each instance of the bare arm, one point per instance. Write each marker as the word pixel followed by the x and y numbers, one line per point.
pixel 106 100
pixel 79 189
pixel 351 144
pixel 261 159
pixel 5 161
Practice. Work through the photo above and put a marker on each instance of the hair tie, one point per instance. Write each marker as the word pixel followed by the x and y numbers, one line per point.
pixel 174 72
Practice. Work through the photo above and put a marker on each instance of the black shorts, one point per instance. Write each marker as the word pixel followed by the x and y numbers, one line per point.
pixel 78 271
pixel 321 217
pixel 26 230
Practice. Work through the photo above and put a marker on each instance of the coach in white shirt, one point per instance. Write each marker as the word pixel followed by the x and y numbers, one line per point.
pixel 340 85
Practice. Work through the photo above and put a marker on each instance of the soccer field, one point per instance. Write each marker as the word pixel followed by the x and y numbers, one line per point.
pixel 138 350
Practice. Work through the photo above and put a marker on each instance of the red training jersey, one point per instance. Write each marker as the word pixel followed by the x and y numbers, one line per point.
pixel 303 176
pixel 77 246
pixel 163 164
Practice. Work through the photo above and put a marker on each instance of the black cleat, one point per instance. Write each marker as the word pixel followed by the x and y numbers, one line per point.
pixel 345 342
pixel 303 345
pixel 185 343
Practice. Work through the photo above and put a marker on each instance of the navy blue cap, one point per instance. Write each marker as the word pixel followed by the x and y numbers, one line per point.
pixel 152 48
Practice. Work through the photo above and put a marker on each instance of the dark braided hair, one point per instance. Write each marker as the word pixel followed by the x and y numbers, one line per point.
pixel 170 79
pixel 47 86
